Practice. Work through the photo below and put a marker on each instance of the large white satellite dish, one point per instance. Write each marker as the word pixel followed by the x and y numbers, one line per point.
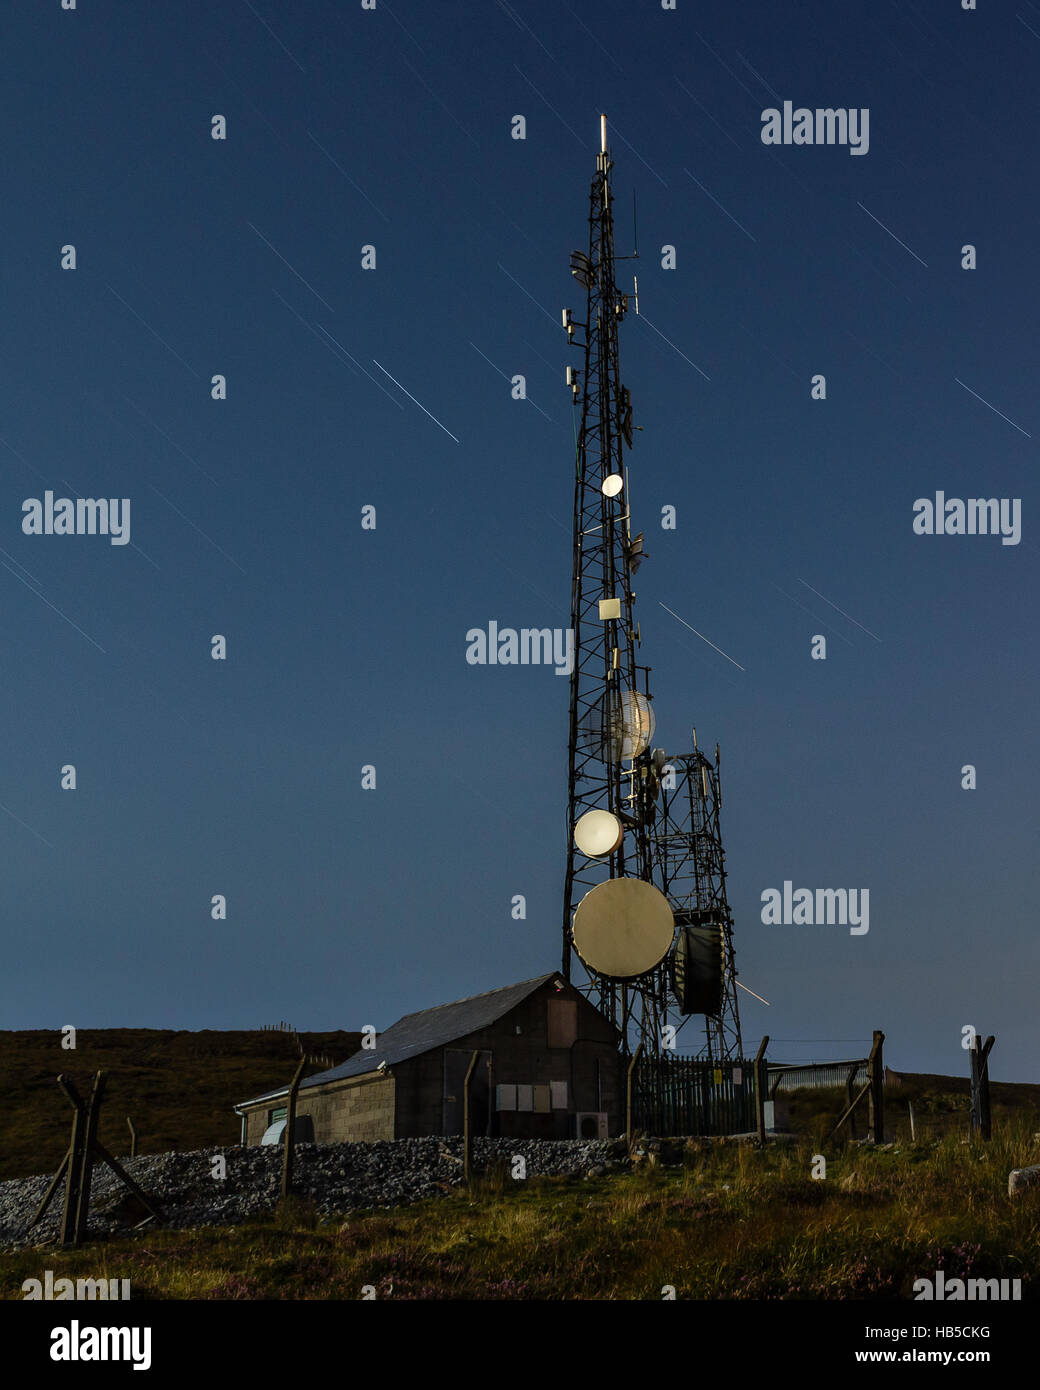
pixel 623 928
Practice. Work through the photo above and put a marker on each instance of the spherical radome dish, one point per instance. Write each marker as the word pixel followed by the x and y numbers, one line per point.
pixel 598 833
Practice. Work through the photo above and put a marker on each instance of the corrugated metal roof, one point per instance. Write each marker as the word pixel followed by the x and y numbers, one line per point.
pixel 421 1032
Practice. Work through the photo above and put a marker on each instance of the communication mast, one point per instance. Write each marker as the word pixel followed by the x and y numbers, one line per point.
pixel 611 718
pixel 636 870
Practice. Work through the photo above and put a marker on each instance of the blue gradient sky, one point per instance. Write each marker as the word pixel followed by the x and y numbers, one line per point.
pixel 392 127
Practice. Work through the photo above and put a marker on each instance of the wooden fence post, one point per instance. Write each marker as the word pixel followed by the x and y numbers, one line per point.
pixel 89 1144
pixel 984 1112
pixel 876 1068
pixel 761 1081
pixel 290 1125
pixel 133 1137
pixel 980 1112
pixel 74 1167
pixel 628 1094
pixel 467 1122
pixel 78 1165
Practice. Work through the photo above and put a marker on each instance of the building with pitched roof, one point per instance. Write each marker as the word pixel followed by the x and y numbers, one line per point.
pixel 549 1067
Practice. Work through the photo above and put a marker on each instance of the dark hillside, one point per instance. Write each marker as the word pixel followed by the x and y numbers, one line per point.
pixel 177 1087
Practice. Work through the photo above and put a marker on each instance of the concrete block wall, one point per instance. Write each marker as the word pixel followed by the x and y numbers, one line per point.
pixel 343 1112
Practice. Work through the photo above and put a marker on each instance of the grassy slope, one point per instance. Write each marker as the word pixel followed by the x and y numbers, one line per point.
pixel 733 1223
pixel 941 1106
pixel 177 1087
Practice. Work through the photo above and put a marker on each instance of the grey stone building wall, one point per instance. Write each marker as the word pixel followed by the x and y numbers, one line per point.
pixel 362 1108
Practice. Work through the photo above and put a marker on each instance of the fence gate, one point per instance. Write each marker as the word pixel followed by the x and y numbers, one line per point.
pixel 685 1096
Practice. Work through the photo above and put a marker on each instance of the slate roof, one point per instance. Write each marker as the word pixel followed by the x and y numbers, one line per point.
pixel 422 1032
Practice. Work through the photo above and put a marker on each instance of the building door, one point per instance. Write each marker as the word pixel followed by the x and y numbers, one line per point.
pixel 456 1064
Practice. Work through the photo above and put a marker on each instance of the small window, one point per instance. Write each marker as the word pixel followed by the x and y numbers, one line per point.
pixel 273 1116
pixel 505 1097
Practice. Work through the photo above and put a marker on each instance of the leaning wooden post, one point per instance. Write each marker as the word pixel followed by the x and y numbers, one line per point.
pixel 290 1125
pixel 467 1124
pixel 89 1144
pixel 628 1093
pixel 127 1181
pixel 46 1201
pixel 133 1137
pixel 851 1108
pixel 876 1068
pixel 74 1167
pixel 850 1091
pixel 760 1087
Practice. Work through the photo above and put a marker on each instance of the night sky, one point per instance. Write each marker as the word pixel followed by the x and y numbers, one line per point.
pixel 391 388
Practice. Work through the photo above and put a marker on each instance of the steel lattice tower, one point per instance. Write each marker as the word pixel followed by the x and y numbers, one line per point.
pixel 674 843
pixel 690 869
pixel 606 675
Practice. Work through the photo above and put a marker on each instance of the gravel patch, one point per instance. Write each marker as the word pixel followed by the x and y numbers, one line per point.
pixel 337 1177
